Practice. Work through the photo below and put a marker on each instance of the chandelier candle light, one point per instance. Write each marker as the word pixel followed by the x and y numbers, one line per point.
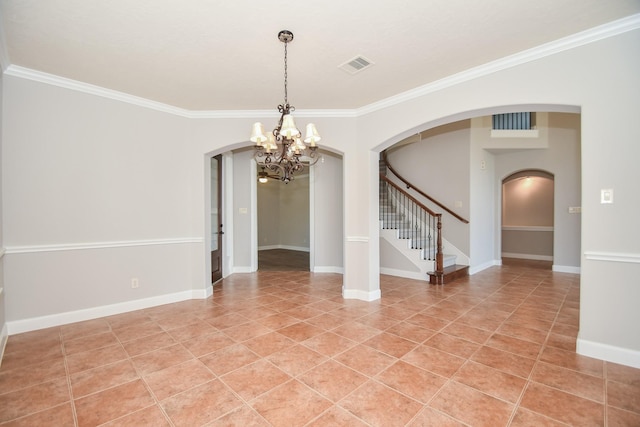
pixel 282 151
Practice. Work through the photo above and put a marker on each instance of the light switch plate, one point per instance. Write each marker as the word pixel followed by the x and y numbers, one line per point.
pixel 606 196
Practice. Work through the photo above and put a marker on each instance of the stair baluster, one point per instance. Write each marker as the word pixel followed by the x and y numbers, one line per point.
pixel 413 220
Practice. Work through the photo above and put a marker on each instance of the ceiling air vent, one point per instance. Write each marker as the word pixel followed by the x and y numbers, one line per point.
pixel 355 65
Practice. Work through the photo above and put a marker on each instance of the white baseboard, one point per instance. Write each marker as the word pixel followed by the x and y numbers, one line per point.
pixel 4 336
pixel 328 269
pixel 610 353
pixel 565 269
pixel 289 248
pixel 361 295
pixel 243 269
pixel 478 268
pixel 527 256
pixel 42 322
pixel 415 275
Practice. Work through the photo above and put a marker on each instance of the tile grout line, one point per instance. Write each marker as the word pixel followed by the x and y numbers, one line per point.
pixel 545 292
pixel 533 368
pixel 537 361
pixel 72 401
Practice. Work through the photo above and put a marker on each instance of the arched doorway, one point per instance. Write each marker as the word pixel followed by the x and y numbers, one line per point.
pixel 283 224
pixel 528 218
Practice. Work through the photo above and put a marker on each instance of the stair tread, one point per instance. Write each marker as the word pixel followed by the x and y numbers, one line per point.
pixel 451 272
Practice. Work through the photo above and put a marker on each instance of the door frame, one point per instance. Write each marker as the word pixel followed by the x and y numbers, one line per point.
pixel 217 228
pixel 226 214
pixel 254 219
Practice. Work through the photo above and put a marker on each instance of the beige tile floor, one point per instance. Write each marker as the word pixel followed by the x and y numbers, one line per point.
pixel 284 349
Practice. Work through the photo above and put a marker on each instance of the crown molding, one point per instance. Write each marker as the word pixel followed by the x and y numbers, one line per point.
pixel 268 114
pixel 601 32
pixel 591 35
pixel 75 85
pixel 63 82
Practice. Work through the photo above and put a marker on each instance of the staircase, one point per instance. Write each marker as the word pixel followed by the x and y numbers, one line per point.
pixel 414 231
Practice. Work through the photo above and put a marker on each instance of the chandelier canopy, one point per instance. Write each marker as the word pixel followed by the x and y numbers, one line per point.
pixel 282 151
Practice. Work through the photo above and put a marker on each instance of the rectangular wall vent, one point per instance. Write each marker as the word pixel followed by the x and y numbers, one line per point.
pixel 355 65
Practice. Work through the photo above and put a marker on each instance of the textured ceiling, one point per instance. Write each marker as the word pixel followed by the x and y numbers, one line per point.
pixel 225 55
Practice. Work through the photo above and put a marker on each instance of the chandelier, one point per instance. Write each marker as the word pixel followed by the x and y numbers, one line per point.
pixel 282 151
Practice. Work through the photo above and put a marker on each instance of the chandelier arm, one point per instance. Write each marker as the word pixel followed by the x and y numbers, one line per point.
pixel 314 156
pixel 275 167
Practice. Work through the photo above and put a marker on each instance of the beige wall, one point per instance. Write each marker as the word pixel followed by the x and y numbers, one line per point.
pixel 527 201
pixel 527 217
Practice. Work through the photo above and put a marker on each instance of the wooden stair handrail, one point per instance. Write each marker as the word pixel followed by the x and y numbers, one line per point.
pixel 439 261
pixel 409 196
pixel 423 194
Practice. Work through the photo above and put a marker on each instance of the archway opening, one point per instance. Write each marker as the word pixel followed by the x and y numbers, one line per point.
pixel 528 218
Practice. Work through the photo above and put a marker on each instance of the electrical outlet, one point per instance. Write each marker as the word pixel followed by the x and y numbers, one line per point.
pixel 135 283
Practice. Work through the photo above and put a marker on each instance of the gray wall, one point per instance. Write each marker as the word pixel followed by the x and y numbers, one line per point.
pixel 3 320
pixel 269 214
pixel 327 202
pixel 244 188
pixel 562 159
pixel 323 186
pixel 283 214
pixel 438 164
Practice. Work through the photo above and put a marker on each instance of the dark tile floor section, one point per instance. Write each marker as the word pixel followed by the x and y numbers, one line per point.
pixel 285 349
pixel 283 260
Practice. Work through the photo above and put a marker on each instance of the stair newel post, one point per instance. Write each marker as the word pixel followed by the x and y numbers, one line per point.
pixel 439 255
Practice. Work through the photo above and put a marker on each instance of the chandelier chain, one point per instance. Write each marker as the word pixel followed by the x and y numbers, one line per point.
pixel 286 101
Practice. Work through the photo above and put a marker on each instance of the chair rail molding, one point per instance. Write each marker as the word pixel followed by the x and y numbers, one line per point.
pixel 612 256
pixel 361 239
pixel 99 245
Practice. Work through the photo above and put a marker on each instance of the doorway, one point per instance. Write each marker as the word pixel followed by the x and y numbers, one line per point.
pixel 216 218
pixel 284 224
pixel 528 217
